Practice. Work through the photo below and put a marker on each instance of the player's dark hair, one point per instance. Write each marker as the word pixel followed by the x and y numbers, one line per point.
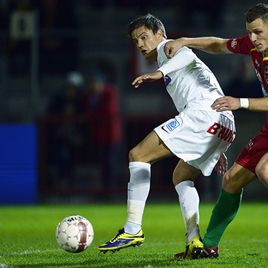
pixel 259 11
pixel 149 21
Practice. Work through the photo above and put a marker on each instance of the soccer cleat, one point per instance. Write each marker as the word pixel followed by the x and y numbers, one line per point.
pixel 210 252
pixel 180 255
pixel 122 240
pixel 193 250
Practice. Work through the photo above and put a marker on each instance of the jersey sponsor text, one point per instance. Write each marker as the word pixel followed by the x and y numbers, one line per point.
pixel 222 132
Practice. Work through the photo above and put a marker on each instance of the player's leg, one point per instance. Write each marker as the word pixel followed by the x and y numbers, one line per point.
pixel 251 161
pixel 262 170
pixel 141 157
pixel 149 150
pixel 183 176
pixel 226 207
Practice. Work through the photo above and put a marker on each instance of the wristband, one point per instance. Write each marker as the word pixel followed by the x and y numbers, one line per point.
pixel 244 103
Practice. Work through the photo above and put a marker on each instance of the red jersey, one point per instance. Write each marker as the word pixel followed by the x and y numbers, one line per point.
pixel 258 146
pixel 243 45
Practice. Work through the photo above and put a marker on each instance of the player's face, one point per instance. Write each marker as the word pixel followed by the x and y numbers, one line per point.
pixel 258 33
pixel 146 41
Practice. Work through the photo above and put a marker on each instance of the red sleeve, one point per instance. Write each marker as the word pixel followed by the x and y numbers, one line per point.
pixel 240 45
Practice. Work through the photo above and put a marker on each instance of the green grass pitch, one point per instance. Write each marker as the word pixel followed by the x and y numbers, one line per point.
pixel 27 237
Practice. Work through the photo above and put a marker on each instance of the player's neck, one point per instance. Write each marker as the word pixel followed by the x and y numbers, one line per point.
pixel 152 55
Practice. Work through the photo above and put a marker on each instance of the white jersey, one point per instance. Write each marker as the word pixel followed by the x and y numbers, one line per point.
pixel 199 134
pixel 189 81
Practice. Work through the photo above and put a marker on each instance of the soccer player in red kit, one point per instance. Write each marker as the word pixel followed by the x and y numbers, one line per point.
pixel 252 162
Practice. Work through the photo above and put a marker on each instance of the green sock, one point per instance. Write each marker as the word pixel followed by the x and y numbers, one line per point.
pixel 223 213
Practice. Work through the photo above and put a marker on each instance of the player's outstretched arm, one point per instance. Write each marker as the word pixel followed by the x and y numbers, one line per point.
pixel 228 103
pixel 214 45
pixel 149 77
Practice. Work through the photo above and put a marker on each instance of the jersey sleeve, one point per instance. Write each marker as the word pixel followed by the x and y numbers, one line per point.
pixel 181 59
pixel 240 45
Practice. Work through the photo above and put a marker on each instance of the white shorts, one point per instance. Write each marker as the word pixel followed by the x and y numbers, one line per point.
pixel 198 137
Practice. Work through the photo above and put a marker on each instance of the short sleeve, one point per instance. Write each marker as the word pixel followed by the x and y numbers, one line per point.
pixel 240 45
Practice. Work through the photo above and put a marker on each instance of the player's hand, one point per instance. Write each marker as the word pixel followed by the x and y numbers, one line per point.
pixel 171 47
pixel 226 104
pixel 149 77
pixel 222 165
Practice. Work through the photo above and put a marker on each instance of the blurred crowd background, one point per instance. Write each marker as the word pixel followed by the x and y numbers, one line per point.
pixel 68 112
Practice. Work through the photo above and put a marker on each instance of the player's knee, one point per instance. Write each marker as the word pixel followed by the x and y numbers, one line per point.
pixel 230 184
pixel 262 173
pixel 134 155
pixel 175 180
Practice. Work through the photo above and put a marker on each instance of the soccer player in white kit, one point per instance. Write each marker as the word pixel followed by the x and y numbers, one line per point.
pixel 198 135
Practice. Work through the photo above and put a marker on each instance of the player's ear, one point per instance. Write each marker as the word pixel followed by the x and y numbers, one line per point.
pixel 159 34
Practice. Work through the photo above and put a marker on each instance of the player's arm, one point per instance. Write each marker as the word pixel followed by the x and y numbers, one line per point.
pixel 183 58
pixel 179 61
pixel 149 77
pixel 231 103
pixel 213 45
pixel 260 104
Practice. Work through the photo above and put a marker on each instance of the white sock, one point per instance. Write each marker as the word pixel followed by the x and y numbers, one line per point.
pixel 189 202
pixel 138 190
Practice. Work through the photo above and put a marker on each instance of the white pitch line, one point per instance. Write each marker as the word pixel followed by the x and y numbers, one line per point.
pixel 2 265
pixel 26 252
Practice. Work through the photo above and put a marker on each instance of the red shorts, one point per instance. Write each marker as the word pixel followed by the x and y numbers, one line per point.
pixel 253 151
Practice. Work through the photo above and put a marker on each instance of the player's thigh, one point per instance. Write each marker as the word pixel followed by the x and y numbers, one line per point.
pixel 236 178
pixel 184 171
pixel 149 150
pixel 262 169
